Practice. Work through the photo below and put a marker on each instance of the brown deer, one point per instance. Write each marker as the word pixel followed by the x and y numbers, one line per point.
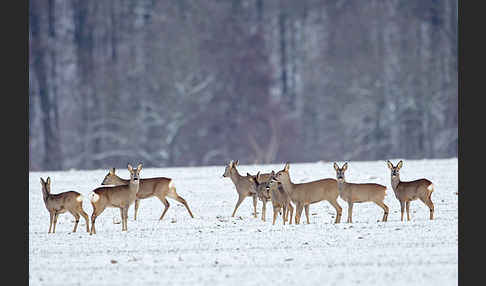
pixel 263 178
pixel 359 193
pixel 271 190
pixel 159 187
pixel 121 197
pixel 304 194
pixel 244 186
pixel 406 192
pixel 56 204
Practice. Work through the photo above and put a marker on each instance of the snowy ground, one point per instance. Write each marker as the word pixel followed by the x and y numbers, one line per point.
pixel 216 249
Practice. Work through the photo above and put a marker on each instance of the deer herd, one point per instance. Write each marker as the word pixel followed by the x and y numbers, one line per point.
pixel 285 195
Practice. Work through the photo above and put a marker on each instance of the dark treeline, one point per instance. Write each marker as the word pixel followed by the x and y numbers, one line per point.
pixel 187 83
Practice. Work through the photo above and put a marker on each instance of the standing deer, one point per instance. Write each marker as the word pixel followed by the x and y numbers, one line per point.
pixel 304 194
pixel 121 196
pixel 244 186
pixel 56 204
pixel 360 193
pixel 263 178
pixel 271 190
pixel 159 187
pixel 406 192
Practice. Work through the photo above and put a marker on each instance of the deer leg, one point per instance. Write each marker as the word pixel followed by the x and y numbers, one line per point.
pixel 407 205
pixel 166 204
pixel 291 210
pixel 96 213
pixel 285 213
pixel 264 209
pixel 55 221
pixel 307 213
pixel 125 217
pixel 339 210
pixel 402 209
pixel 173 195
pixel 122 219
pixel 76 219
pixel 51 219
pixel 137 203
pixel 350 212
pixel 298 212
pixel 431 208
pixel 238 203
pixel 85 216
pixel 430 205
pixel 255 200
pixel 284 216
pixel 275 213
pixel 385 210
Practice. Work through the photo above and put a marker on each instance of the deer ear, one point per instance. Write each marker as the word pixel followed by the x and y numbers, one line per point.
pixel 345 166
pixel 139 167
pixel 48 181
pixel 130 168
pixel 112 171
pixel 273 173
pixel 258 177
pixel 236 163
pixel 287 166
pixel 42 181
pixel 390 165
pixel 336 167
pixel 400 164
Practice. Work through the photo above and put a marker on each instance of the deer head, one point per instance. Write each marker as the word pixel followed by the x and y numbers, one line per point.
pixel 111 178
pixel 340 171
pixel 282 175
pixel 230 168
pixel 395 170
pixel 134 173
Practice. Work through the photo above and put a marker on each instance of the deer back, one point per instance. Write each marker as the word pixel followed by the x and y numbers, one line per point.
pixel 115 196
pixel 154 186
pixel 315 191
pixel 413 190
pixel 356 193
pixel 63 201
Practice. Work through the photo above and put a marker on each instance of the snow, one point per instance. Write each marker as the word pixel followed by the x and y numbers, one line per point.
pixel 216 249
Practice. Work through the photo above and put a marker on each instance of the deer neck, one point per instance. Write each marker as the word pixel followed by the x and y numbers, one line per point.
pixel 235 176
pixel 287 185
pixel 341 185
pixel 120 181
pixel 134 186
pixel 395 181
pixel 45 196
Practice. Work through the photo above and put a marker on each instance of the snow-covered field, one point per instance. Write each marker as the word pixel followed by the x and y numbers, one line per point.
pixel 216 249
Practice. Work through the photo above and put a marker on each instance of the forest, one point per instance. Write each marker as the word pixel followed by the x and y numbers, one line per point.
pixel 195 83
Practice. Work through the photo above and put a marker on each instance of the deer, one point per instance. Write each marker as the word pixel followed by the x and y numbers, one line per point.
pixel 304 194
pixel 263 178
pixel 56 204
pixel 121 196
pixel 359 193
pixel 271 190
pixel 406 192
pixel 244 186
pixel 159 187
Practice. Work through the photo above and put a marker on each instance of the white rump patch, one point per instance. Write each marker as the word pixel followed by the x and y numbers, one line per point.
pixel 79 198
pixel 94 197
pixel 430 187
